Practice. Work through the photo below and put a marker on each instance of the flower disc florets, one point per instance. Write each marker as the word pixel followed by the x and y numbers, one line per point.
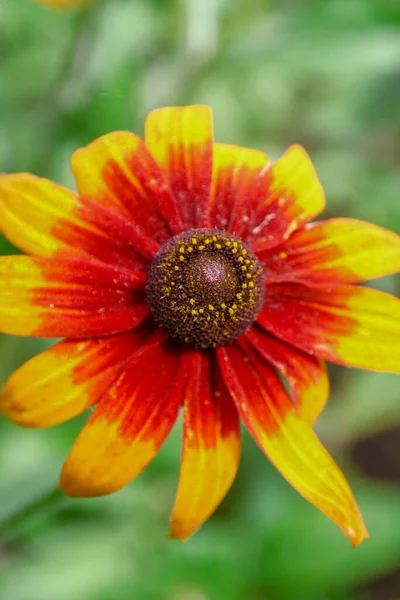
pixel 205 287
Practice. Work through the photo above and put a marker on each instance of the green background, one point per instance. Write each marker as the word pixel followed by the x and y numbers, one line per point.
pixel 322 73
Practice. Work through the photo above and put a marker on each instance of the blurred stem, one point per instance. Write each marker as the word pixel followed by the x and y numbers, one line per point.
pixel 48 500
pixel 51 99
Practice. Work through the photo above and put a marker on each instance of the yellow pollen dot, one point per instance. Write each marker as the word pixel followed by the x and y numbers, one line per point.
pixel 248 275
pixel 201 310
pixel 240 259
pixel 234 306
pixel 201 247
pixel 235 244
pixel 244 252
pixel 239 295
pixel 181 249
pixel 244 268
pixel 190 249
pixel 207 241
pixel 176 268
pixel 218 246
pixel 223 305
pixel 181 258
pixel 244 285
pixel 283 255
pixel 247 261
pixel 228 244
pixel 251 284
pixel 191 300
pixel 210 307
pixel 194 312
pixel 214 238
pixel 231 311
pixel 194 241
pixel 234 250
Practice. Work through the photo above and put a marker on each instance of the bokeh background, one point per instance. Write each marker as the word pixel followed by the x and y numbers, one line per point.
pixel 324 73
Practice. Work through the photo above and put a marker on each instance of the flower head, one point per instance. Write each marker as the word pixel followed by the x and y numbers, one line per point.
pixel 188 273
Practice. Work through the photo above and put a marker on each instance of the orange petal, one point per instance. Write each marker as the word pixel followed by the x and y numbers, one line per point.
pixel 63 381
pixel 211 447
pixel 349 325
pixel 72 4
pixel 45 219
pixel 129 424
pixel 291 196
pixel 306 375
pixel 180 139
pixel 68 297
pixel 236 191
pixel 334 251
pixel 287 440
pixel 118 170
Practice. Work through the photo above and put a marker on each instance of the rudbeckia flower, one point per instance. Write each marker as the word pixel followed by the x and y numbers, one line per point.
pixel 188 273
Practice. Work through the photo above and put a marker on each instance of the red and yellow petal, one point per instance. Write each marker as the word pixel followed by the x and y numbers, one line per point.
pixel 287 439
pixel 235 190
pixel 45 219
pixel 211 446
pixel 306 375
pixel 181 139
pixel 66 379
pixel 350 325
pixel 334 251
pixel 117 170
pixel 291 196
pixel 129 424
pixel 68 297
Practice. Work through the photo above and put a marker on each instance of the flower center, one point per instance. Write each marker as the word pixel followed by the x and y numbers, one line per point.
pixel 205 287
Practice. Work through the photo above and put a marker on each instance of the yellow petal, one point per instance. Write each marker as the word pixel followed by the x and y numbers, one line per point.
pixel 211 447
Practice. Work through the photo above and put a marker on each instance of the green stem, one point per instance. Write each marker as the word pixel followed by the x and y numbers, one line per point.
pixel 45 502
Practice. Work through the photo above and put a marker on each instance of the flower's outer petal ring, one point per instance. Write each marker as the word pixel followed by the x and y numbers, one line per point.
pixel 290 196
pixel 287 440
pixel 66 379
pixel 45 219
pixel 349 325
pixel 181 140
pixel 235 191
pixel 129 424
pixel 211 447
pixel 68 297
pixel 117 170
pixel 334 251
pixel 306 375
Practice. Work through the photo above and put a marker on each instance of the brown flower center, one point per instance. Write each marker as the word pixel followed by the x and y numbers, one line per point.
pixel 205 287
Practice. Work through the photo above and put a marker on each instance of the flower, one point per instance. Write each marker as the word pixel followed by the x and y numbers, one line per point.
pixel 74 4
pixel 188 273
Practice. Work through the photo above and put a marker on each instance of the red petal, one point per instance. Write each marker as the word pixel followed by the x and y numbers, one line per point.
pixel 117 171
pixel 287 440
pixel 333 251
pixel 66 379
pixel 306 375
pixel 211 446
pixel 68 297
pixel 279 200
pixel 236 190
pixel 45 219
pixel 350 325
pixel 130 423
pixel 180 139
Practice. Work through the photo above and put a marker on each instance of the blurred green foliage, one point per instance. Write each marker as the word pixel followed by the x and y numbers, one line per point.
pixel 324 73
